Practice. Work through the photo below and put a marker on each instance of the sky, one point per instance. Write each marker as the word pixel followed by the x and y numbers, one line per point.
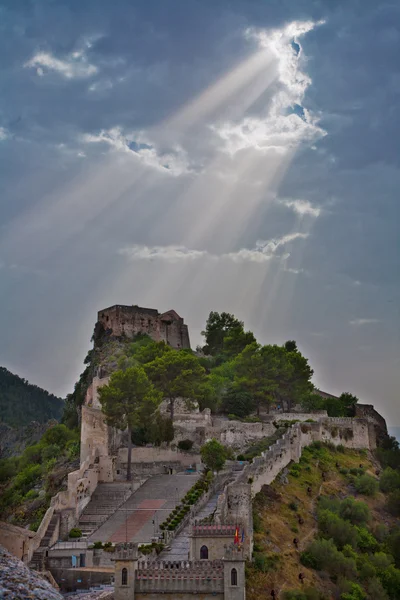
pixel 239 155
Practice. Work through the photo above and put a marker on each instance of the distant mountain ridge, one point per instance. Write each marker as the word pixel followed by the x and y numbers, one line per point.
pixel 21 402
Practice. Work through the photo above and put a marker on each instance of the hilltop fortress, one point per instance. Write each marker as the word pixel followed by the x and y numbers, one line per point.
pixel 169 327
pixel 106 508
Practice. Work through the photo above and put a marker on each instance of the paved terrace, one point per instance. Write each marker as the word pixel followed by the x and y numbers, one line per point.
pixel 133 521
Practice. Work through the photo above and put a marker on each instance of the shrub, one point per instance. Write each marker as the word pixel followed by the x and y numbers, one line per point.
pixel 77 533
pixel 354 511
pixel 324 556
pixel 306 594
pixel 336 528
pixel 340 448
pixel 355 593
pixel 96 545
pixel 257 523
pixel 293 506
pixel 393 503
pixel 265 562
pixel 185 445
pixel 31 495
pixel 367 485
pixel 390 579
pixel 51 451
pixel 7 469
pixel 366 541
pixel 59 435
pixel 27 478
pixel 356 471
pixel 389 480
pixel 343 471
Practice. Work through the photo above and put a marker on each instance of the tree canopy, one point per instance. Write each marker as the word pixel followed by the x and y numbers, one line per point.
pixel 127 401
pixel 177 374
pixel 224 326
pixel 213 455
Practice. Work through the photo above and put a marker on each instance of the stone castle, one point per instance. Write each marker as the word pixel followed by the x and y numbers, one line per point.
pixel 129 321
pixel 106 508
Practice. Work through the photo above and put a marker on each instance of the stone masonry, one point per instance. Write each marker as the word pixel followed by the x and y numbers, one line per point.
pixel 129 321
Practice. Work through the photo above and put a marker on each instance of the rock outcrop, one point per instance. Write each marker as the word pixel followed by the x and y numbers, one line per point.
pixel 18 582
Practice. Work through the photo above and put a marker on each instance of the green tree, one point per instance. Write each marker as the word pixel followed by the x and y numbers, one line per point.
pixel 128 396
pixel 256 372
pixel 213 455
pixel 236 341
pixel 218 326
pixel 294 378
pixel 348 402
pixel 290 346
pixel 237 402
pixel 177 374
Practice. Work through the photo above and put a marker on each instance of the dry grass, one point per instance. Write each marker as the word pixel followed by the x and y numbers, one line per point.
pixel 278 523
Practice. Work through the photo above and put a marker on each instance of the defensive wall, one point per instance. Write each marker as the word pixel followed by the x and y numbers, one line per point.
pixel 234 504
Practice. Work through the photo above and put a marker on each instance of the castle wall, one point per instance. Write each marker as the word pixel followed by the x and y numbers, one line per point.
pixel 236 498
pixel 94 433
pixel 132 320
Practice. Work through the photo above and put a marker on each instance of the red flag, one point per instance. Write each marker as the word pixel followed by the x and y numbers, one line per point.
pixel 236 540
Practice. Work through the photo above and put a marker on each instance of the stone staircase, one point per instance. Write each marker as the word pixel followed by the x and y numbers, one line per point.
pixel 106 499
pixel 38 557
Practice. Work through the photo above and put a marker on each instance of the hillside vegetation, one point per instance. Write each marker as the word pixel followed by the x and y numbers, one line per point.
pixel 329 528
pixel 22 402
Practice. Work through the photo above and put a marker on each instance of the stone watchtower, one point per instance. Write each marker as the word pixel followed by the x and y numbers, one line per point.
pixel 125 558
pixel 234 573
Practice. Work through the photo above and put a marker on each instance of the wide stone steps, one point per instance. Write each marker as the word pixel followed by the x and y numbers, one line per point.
pixel 139 517
pixel 106 499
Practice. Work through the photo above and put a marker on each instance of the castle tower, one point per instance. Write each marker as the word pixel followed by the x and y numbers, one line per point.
pixel 126 556
pixel 234 573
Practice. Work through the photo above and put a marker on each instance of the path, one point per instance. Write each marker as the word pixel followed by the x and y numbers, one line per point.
pixel 153 501
pixel 180 545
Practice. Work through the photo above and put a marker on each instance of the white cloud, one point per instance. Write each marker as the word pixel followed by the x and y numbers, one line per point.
pixel 164 253
pixel 4 135
pixel 302 207
pixel 262 252
pixel 359 322
pixel 173 161
pixel 73 66
pixel 286 122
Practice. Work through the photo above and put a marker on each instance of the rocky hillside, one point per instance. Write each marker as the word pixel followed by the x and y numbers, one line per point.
pixel 14 441
pixel 22 402
pixel 329 528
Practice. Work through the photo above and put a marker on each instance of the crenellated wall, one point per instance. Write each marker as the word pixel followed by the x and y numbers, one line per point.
pixel 235 503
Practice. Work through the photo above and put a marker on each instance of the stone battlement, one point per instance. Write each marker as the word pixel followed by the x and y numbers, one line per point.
pixel 184 568
pixel 212 530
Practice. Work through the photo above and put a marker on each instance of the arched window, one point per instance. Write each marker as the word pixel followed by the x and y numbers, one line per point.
pixel 124 577
pixel 233 577
pixel 204 553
